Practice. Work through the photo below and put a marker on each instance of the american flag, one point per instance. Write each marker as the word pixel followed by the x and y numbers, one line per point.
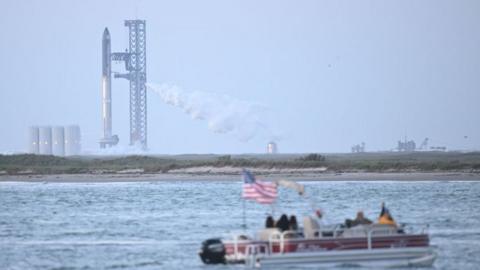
pixel 261 192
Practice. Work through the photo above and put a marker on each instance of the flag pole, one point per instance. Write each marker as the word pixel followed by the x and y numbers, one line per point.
pixel 244 225
pixel 244 218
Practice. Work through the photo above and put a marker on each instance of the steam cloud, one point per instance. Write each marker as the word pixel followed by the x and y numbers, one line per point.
pixel 223 113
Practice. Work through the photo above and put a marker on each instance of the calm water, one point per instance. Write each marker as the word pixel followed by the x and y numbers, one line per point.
pixel 160 225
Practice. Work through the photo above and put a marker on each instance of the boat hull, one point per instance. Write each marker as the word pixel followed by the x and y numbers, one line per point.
pixel 382 257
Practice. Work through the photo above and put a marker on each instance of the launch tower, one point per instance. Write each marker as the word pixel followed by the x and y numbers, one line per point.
pixel 136 67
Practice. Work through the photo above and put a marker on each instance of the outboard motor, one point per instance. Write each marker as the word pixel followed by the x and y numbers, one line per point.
pixel 213 251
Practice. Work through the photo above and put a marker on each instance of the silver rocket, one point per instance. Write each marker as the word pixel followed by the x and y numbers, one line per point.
pixel 108 139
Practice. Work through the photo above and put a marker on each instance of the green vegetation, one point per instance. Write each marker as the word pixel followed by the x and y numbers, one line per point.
pixel 364 162
pixel 312 158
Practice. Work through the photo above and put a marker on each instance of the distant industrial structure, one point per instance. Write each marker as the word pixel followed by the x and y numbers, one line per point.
pixel 33 140
pixel 136 67
pixel 57 141
pixel 424 145
pixel 358 148
pixel 44 140
pixel 406 146
pixel 272 148
pixel 72 140
pixel 411 146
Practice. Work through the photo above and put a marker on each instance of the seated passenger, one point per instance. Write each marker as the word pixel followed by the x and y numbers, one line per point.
pixel 282 223
pixel 269 223
pixel 359 220
pixel 385 218
pixel 311 228
pixel 293 223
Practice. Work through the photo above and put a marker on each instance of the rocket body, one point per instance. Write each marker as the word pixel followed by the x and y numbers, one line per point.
pixel 106 85
pixel 107 139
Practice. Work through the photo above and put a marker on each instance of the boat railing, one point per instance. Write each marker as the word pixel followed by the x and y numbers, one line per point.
pixel 252 251
pixel 335 230
pixel 338 230
pixel 379 229
pixel 238 239
pixel 279 237
pixel 384 230
pixel 415 228
pixel 371 231
pixel 403 228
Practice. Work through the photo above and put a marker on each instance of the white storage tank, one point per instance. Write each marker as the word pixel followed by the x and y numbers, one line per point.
pixel 33 140
pixel 58 141
pixel 45 140
pixel 72 140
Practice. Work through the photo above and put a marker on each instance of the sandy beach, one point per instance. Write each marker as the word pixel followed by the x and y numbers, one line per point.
pixel 141 177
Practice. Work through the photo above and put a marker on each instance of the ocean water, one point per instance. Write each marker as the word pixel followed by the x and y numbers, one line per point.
pixel 160 225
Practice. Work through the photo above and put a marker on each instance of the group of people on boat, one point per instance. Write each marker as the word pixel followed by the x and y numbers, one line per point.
pixel 385 218
pixel 283 224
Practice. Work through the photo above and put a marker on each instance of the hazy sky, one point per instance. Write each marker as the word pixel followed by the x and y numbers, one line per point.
pixel 332 73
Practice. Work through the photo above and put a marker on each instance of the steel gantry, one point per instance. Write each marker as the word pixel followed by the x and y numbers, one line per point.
pixel 136 64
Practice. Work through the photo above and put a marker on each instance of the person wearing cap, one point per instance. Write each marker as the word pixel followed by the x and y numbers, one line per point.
pixel 359 220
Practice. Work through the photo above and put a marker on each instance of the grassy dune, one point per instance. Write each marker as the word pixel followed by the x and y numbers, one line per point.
pixel 365 162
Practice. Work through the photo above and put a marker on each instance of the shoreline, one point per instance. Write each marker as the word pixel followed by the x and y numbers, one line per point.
pixel 307 177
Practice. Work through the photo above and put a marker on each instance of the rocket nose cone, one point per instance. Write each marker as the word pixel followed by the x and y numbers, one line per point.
pixel 106 34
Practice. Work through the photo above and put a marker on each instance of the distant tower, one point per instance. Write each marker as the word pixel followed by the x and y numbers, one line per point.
pixel 136 65
pixel 272 148
pixel 358 148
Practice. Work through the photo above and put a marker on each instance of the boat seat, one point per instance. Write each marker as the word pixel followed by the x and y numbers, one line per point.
pixel 292 234
pixel 356 231
pixel 310 227
pixel 383 229
pixel 264 235
pixel 362 230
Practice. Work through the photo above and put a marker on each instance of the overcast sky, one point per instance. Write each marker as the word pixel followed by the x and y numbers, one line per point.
pixel 332 73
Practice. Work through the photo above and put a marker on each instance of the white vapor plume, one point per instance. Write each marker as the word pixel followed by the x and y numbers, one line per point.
pixel 223 113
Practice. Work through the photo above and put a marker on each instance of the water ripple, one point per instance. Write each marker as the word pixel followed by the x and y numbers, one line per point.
pixel 161 225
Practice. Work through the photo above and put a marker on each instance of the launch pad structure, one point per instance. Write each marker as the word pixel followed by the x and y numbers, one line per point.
pixel 136 66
